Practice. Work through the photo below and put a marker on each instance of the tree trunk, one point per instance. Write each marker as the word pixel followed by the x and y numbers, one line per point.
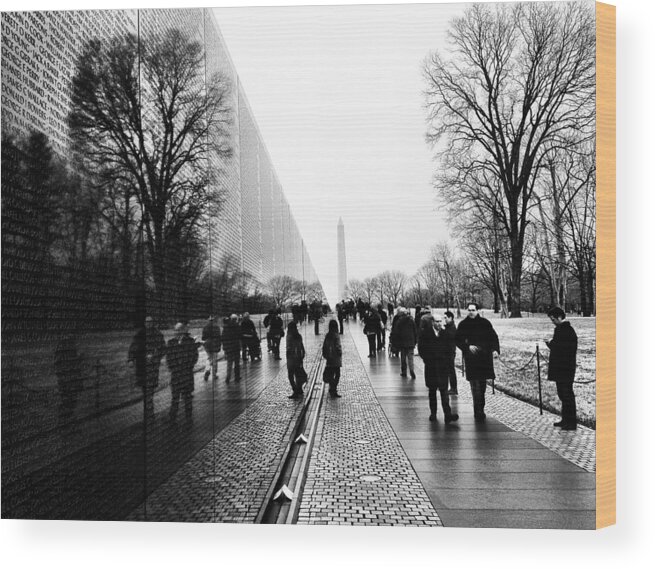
pixel 514 292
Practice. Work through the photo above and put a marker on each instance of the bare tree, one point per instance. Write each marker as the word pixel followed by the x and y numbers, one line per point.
pixel 282 289
pixel 144 121
pixel 370 287
pixel 393 283
pixel 519 80
pixel 355 289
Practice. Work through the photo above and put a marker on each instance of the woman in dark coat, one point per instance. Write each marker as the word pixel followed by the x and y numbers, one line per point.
pixel 433 349
pixel 332 354
pixel 295 357
pixel 561 366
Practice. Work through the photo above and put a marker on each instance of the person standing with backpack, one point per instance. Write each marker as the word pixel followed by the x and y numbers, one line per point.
pixel 295 357
pixel 332 354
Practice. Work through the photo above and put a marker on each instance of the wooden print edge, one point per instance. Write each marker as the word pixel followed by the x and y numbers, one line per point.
pixel 606 265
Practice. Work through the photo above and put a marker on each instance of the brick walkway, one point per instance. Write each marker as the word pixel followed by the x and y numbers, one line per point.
pixel 228 479
pixel 359 473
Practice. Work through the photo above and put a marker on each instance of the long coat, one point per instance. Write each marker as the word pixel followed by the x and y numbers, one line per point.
pixel 181 356
pixel 211 336
pixel 403 332
pixel 433 349
pixel 450 335
pixel 332 350
pixel 295 351
pixel 563 349
pixel 146 351
pixel 372 324
pixel 478 332
pixel 231 339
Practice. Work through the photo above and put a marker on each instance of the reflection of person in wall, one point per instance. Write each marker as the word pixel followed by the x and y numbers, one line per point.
pixel 181 356
pixel 146 351
pixel 561 366
pixel 232 347
pixel 295 357
pixel 211 336
pixel 68 369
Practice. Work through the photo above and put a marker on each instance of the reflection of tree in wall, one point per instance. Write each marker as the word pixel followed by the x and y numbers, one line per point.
pixel 145 124
pixel 517 87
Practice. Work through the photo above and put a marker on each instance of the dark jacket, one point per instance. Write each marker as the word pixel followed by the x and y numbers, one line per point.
pixel 146 351
pixel 231 338
pixel 450 336
pixel 248 329
pixel 332 350
pixel 211 336
pixel 404 332
pixel 563 349
pixel 181 356
pixel 276 326
pixel 372 324
pixel 478 332
pixel 434 351
pixel 295 351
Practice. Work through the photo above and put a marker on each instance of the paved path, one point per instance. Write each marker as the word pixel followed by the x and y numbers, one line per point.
pixel 489 475
pixel 377 460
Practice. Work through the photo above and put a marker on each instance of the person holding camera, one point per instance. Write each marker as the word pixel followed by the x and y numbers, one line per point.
pixel 561 366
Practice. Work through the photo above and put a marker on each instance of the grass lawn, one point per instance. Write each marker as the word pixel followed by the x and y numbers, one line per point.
pixel 518 340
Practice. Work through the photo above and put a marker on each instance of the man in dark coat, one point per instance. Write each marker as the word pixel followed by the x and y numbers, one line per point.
pixel 434 349
pixel 211 336
pixel 181 357
pixel 404 340
pixel 249 339
pixel 478 341
pixel 146 352
pixel 232 347
pixel 372 325
pixel 450 334
pixel 561 366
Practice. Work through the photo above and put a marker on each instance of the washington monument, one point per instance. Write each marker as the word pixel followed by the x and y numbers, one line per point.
pixel 342 277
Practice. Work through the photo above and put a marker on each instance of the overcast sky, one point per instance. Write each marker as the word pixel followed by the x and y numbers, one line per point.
pixel 337 94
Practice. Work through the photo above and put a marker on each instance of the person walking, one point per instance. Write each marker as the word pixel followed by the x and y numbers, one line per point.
pixel 561 366
pixel 372 326
pixel 295 357
pixel 332 353
pixel 146 352
pixel 382 334
pixel 181 357
pixel 249 339
pixel 276 332
pixel 434 350
pixel 232 347
pixel 211 337
pixel 450 333
pixel 404 340
pixel 478 341
pixel 340 316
